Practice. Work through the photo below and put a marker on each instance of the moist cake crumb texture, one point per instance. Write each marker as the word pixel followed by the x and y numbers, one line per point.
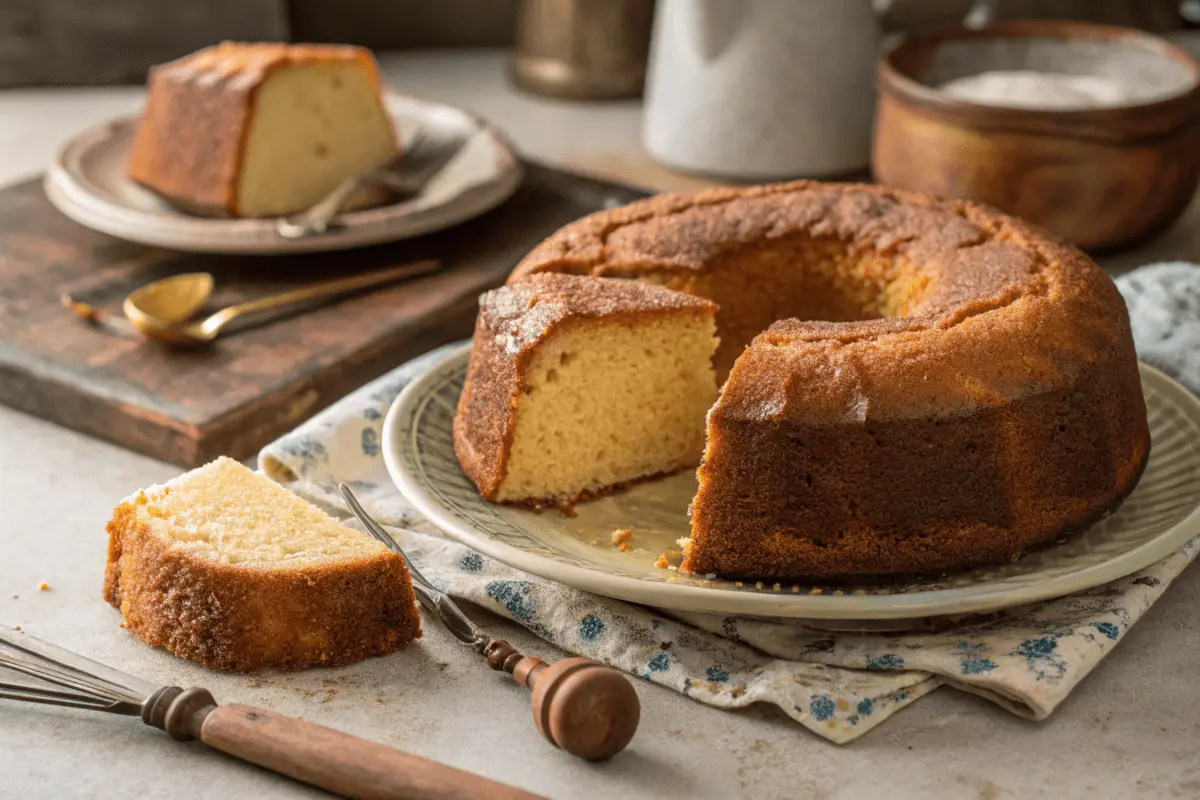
pixel 577 386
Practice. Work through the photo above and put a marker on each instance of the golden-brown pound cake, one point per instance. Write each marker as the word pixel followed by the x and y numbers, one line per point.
pixel 225 567
pixel 260 129
pixel 910 385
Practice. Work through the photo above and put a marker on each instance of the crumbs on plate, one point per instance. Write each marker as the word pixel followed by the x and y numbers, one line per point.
pixel 671 559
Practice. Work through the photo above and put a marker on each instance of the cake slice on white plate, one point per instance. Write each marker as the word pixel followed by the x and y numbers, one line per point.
pixel 262 129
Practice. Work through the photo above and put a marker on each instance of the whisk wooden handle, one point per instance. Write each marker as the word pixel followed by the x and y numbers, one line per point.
pixel 336 762
pixel 583 707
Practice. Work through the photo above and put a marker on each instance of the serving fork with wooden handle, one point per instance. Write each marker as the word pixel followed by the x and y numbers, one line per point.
pixel 585 708
pixel 314 754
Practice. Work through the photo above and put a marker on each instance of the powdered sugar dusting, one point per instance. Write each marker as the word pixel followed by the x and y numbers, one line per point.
pixel 1045 90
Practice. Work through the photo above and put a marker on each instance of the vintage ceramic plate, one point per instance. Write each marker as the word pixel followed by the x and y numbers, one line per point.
pixel 1159 517
pixel 87 183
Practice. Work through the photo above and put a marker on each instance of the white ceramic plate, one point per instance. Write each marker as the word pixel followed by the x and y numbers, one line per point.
pixel 87 183
pixel 1160 516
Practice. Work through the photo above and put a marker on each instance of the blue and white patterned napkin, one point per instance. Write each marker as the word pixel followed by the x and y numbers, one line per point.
pixel 839 685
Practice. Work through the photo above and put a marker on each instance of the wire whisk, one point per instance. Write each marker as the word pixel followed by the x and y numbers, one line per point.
pixel 85 690
pixel 310 753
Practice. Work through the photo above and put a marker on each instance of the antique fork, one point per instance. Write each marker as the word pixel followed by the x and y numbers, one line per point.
pixel 580 706
pixel 405 175
pixel 307 752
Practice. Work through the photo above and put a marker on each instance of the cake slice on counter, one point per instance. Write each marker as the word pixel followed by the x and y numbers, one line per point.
pixel 260 130
pixel 225 567
pixel 578 385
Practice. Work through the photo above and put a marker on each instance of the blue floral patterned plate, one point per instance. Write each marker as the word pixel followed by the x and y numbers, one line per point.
pixel 1158 518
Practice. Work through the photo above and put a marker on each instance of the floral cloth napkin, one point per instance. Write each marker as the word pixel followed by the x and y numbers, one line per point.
pixel 838 685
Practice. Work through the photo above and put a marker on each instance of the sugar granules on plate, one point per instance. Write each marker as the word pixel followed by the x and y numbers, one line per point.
pixel 1044 90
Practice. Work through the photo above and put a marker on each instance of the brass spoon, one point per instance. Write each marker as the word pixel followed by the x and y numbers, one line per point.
pixel 161 310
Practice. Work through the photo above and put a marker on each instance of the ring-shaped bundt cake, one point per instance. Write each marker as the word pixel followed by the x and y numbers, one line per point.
pixel 910 385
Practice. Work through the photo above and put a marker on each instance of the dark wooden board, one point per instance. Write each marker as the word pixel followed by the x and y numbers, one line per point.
pixel 189 406
pixel 48 42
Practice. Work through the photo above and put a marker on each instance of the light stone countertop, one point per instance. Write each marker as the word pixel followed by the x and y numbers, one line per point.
pixel 1131 730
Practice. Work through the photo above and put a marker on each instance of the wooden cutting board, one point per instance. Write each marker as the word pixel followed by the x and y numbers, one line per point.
pixel 189 406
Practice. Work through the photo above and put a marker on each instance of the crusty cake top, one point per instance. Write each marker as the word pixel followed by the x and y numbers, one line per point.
pixel 252 60
pixel 1001 309
pixel 522 313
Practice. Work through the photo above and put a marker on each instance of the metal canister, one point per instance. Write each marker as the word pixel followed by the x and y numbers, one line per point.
pixel 584 49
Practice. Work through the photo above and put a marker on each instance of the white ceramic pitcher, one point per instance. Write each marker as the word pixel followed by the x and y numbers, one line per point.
pixel 762 89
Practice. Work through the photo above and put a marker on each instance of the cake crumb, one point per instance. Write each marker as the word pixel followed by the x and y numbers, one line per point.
pixel 838 592
pixel 758 584
pixel 738 584
pixel 621 535
pixel 16 627
pixel 624 548
pixel 775 588
pixel 815 590
pixel 795 589
pixel 43 587
pixel 662 563
pixel 858 591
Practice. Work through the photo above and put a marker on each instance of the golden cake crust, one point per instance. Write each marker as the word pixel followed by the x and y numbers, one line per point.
pixel 190 138
pixel 512 322
pixel 232 617
pixel 971 392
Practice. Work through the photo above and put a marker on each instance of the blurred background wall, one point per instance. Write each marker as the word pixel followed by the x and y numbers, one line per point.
pixel 47 42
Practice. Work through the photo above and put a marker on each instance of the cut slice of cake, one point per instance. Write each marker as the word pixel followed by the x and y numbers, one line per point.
pixel 260 130
pixel 578 385
pixel 225 567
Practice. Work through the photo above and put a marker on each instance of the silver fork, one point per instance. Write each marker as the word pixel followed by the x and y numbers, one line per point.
pixel 405 175
pixel 585 708
pixel 430 596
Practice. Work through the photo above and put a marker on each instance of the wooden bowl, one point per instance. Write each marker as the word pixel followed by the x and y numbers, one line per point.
pixel 1099 177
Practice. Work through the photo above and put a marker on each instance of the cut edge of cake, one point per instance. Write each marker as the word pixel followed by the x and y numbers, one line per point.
pixel 570 396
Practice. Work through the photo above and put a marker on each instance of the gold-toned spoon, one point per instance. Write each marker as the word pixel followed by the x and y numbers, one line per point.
pixel 161 310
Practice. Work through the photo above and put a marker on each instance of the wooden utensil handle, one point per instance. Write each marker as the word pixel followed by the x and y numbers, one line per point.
pixel 580 706
pixel 340 763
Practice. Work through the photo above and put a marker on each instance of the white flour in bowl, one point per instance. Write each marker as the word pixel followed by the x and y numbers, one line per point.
pixel 1043 90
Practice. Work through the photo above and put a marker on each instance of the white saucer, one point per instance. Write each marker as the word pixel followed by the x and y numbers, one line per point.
pixel 87 183
pixel 1159 517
